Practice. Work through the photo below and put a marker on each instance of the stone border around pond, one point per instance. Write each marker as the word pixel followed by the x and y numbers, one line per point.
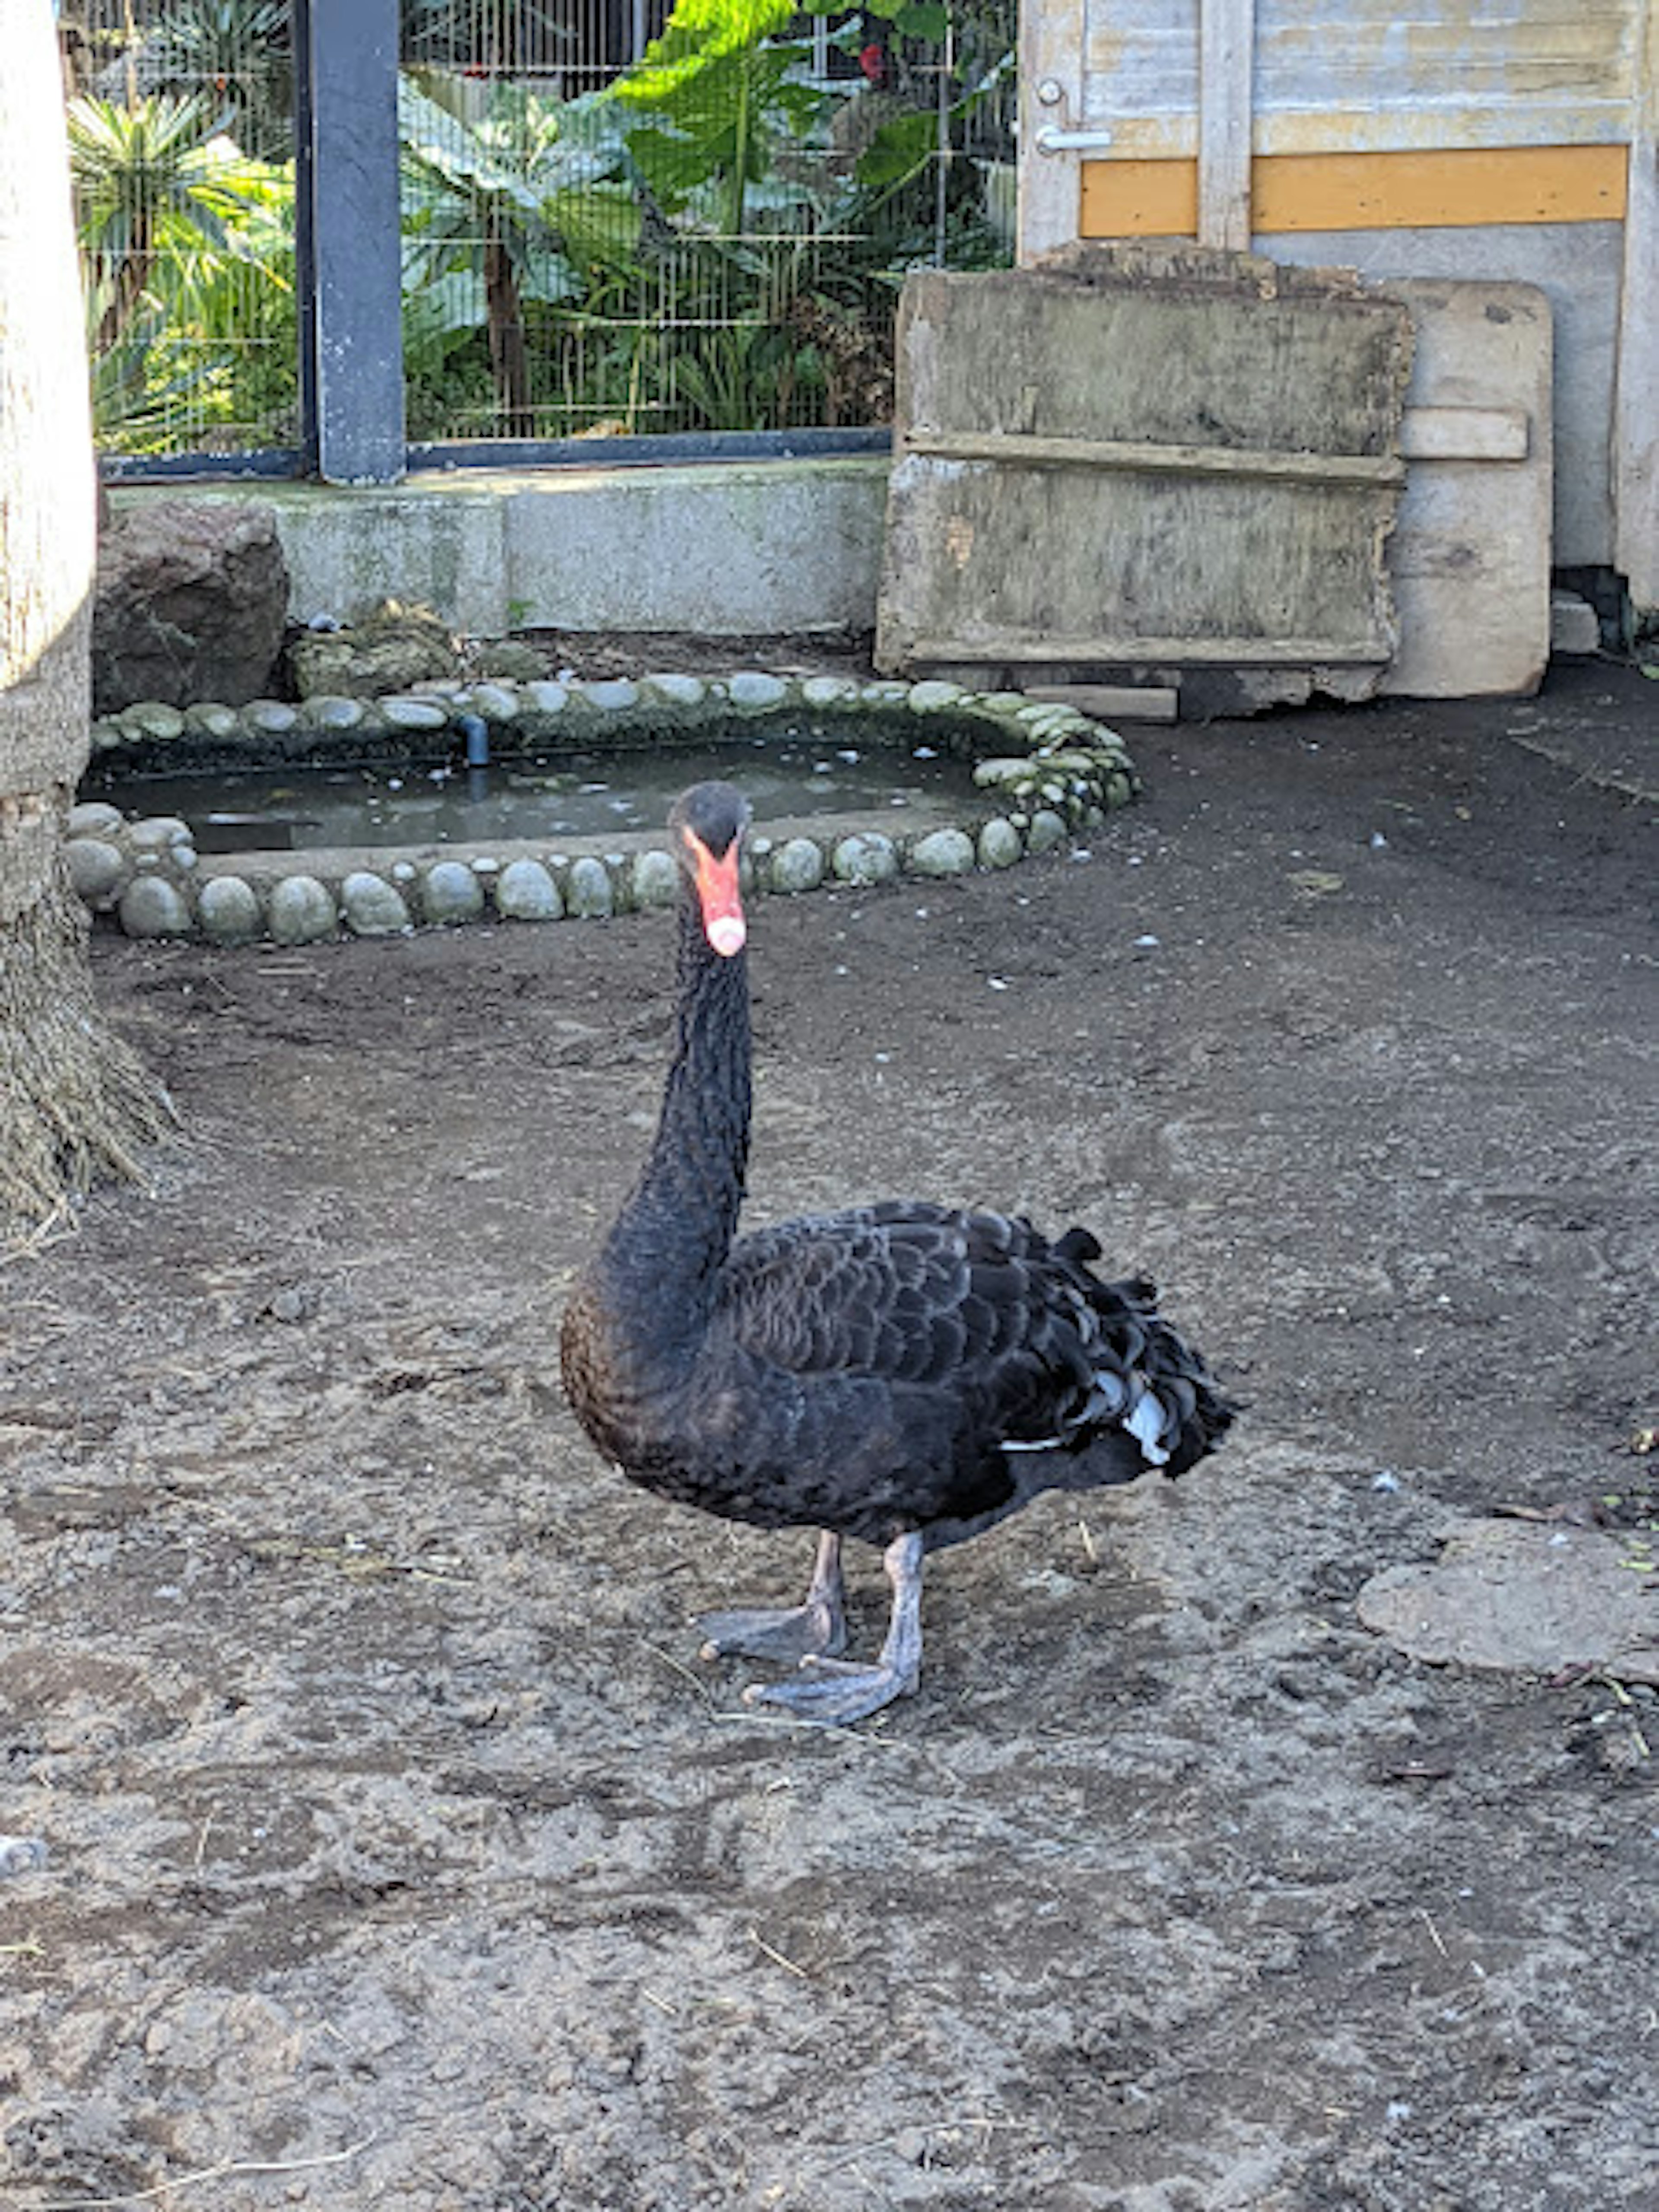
pixel 1046 770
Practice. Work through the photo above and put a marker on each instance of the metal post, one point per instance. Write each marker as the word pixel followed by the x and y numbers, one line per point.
pixel 348 240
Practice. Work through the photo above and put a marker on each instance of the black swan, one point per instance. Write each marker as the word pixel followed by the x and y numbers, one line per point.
pixel 902 1373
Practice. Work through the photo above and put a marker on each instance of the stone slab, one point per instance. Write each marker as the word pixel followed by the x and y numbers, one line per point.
pixel 1526 1595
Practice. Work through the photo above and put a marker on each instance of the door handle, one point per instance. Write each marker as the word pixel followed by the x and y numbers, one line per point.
pixel 1051 139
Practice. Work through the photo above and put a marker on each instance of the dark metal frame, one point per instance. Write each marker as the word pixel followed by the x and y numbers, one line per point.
pixel 348 233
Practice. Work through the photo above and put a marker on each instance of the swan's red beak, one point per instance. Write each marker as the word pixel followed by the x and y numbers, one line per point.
pixel 723 924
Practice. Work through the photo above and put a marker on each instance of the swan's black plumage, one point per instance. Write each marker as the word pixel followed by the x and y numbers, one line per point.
pixel 903 1373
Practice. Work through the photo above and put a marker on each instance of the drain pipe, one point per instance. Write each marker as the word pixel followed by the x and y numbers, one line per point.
pixel 477 738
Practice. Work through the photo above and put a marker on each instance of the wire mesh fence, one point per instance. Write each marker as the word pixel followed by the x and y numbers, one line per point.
pixel 615 219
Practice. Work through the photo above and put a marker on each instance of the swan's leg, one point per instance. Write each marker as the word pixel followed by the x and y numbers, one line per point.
pixel 835 1692
pixel 815 1628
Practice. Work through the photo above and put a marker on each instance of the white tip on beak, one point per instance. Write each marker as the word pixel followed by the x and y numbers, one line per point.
pixel 727 934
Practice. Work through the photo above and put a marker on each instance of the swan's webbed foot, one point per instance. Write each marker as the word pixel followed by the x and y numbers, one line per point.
pixel 833 1692
pixel 815 1629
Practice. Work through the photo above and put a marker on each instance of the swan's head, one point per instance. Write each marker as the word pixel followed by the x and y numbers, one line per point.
pixel 707 826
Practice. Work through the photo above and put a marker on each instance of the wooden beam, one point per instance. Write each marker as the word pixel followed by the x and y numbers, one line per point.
pixel 1010 450
pixel 1636 399
pixel 1225 72
pixel 1431 190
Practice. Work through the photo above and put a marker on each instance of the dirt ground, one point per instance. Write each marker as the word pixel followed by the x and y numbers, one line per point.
pixel 403 1854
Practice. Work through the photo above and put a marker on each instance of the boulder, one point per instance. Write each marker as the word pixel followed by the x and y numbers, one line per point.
pixel 191 604
pixel 391 649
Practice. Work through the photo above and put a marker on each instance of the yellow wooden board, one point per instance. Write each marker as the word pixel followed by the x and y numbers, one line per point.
pixel 1453 187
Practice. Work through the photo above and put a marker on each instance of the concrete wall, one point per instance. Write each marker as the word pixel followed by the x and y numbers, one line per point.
pixel 719 549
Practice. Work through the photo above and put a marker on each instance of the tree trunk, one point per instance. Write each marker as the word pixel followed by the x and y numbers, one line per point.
pixel 73 1102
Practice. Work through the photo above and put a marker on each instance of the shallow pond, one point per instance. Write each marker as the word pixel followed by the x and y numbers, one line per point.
pixel 795 772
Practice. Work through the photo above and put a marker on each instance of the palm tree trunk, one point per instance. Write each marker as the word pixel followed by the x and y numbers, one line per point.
pixel 73 1102
pixel 509 361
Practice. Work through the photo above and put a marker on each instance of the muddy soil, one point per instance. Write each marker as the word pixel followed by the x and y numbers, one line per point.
pixel 402 1852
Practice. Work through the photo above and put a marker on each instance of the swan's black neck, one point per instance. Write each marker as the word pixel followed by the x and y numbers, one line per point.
pixel 672 1235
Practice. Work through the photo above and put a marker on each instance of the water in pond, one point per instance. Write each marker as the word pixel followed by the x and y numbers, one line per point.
pixel 799 771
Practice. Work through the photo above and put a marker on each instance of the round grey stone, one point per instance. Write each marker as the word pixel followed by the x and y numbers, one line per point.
pixel 999 845
pixel 301 910
pixel 656 879
pixel 94 867
pixel 152 907
pixel 829 692
pixel 157 832
pixel 403 713
pixel 1119 790
pixel 151 717
pixel 932 695
pixel 675 690
pixel 797 866
pixel 545 697
pixel 229 910
pixel 496 702
pixel 212 720
pixel 1048 829
pixel 525 891
pixel 328 711
pixel 107 736
pixel 450 892
pixel 373 908
pixel 612 694
pixel 866 857
pixel 753 691
pixel 588 890
pixel 943 853
pixel 272 718
pixel 93 818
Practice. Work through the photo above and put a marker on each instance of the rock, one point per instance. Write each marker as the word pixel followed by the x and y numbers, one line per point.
pixel 932 697
pixel 656 879
pixel 829 692
pixel 95 868
pixel 510 659
pixel 94 818
pixel 191 597
pixel 943 853
pixel 450 892
pixel 751 691
pixel 326 710
pixel 390 649
pixel 406 713
pixel 999 845
pixel 152 907
pixel 588 890
pixel 866 857
pixel 301 910
pixel 797 866
pixel 158 833
pixel 211 718
pixel 152 720
pixel 1575 626
pixel 496 702
pixel 525 891
pixel 372 906
pixel 613 695
pixel 1524 1595
pixel 675 690
pixel 229 909
pixel 272 718
pixel 1048 829
pixel 547 698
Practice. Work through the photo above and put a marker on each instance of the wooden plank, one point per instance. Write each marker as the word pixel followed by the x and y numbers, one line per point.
pixel 1636 405
pixel 1442 189
pixel 1015 646
pixel 1012 450
pixel 1225 70
pixel 1051 40
pixel 1465 434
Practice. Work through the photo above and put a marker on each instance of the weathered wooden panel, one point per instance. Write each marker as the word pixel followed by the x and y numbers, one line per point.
pixel 1234 546
pixel 1470 554
pixel 1361 74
